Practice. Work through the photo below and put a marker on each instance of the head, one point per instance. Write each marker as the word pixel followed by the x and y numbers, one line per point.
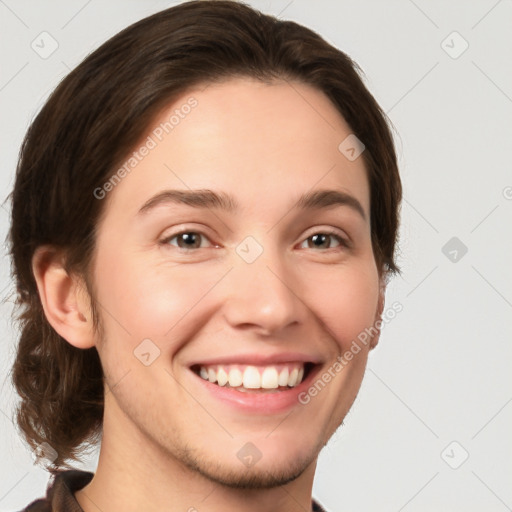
pixel 125 291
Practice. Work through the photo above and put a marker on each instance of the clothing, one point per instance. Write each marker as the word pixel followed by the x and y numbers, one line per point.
pixel 60 493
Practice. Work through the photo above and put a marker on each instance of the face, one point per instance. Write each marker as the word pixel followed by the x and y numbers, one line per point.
pixel 220 315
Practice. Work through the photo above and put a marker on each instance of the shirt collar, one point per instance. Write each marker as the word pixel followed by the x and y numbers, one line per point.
pixel 61 497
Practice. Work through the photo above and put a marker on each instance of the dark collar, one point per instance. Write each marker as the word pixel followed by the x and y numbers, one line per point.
pixel 60 493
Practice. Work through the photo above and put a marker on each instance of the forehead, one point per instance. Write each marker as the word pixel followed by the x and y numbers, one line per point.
pixel 264 144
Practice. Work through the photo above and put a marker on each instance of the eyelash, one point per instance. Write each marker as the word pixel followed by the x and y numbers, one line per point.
pixel 343 243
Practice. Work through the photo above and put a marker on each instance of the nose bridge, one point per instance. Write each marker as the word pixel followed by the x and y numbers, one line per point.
pixel 262 288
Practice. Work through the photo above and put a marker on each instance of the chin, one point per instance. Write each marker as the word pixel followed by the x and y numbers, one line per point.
pixel 263 475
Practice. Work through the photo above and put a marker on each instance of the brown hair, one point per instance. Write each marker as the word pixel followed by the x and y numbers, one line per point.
pixel 91 122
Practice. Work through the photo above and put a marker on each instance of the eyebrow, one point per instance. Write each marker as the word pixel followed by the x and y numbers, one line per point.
pixel 205 198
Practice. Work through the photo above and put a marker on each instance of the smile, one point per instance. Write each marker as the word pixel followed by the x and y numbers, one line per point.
pixel 240 377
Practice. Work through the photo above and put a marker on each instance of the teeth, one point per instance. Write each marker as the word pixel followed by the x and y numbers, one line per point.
pixel 269 378
pixel 222 377
pixel 253 377
pixel 300 375
pixel 283 377
pixel 235 377
pixel 292 379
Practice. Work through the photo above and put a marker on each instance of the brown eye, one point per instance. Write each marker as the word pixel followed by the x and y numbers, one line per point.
pixel 186 240
pixel 323 240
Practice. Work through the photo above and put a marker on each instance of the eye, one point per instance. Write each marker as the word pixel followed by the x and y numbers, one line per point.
pixel 186 240
pixel 189 240
pixel 322 240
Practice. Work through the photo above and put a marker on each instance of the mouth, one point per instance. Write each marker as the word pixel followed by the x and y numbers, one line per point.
pixel 262 379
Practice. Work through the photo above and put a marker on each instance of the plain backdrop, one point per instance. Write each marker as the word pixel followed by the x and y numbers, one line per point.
pixel 428 431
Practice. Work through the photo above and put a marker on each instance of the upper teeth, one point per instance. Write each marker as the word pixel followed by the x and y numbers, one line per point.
pixel 254 377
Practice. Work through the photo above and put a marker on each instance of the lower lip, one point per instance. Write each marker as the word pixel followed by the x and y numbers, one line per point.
pixel 259 402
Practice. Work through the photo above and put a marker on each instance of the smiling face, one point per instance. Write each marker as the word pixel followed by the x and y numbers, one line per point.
pixel 259 281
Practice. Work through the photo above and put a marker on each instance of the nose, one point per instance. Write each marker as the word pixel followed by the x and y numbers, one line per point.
pixel 263 295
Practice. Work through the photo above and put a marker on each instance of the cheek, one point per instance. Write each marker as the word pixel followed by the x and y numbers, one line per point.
pixel 346 300
pixel 155 300
pixel 140 303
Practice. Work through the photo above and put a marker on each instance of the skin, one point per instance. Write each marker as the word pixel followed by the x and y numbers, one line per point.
pixel 167 444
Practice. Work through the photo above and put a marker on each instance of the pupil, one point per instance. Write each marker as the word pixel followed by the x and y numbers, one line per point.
pixel 321 237
pixel 189 238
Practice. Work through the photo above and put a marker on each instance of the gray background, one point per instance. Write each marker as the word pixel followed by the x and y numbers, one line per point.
pixel 438 387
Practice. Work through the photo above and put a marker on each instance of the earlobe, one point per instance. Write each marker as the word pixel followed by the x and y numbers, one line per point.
pixel 63 298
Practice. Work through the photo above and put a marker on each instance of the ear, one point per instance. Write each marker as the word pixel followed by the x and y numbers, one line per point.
pixel 64 298
pixel 380 308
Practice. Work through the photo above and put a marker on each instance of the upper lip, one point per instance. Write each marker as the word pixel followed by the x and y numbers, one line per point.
pixel 259 359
